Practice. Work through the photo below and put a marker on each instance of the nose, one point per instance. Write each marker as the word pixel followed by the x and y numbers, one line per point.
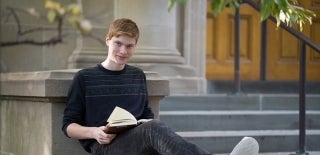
pixel 123 50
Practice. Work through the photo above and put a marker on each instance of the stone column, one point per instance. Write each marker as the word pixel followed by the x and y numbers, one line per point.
pixel 157 26
pixel 194 40
pixel 157 47
pixel 162 47
pixel 88 51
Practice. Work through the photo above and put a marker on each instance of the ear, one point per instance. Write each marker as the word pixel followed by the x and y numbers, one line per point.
pixel 107 41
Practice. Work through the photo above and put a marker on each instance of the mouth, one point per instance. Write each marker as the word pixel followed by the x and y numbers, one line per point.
pixel 122 57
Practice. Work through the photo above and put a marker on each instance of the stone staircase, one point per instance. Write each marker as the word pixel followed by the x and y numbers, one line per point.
pixel 217 122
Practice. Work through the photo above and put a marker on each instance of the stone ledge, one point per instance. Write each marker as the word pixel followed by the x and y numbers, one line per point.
pixel 56 83
pixel 31 108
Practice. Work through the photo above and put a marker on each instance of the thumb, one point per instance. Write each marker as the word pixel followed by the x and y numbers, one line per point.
pixel 103 128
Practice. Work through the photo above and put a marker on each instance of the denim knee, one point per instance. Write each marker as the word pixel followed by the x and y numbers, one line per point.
pixel 154 124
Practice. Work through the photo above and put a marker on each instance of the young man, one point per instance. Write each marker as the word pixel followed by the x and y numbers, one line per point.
pixel 96 91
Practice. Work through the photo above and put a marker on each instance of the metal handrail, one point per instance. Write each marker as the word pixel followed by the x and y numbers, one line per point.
pixel 237 83
pixel 291 30
pixel 304 40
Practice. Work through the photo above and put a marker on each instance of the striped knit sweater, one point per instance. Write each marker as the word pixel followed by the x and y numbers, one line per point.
pixel 96 91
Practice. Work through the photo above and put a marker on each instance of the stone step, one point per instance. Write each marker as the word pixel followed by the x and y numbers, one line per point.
pixel 238 102
pixel 285 153
pixel 292 87
pixel 269 140
pixel 218 121
pixel 237 120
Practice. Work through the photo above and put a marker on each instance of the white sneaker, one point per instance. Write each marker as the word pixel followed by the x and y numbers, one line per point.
pixel 247 146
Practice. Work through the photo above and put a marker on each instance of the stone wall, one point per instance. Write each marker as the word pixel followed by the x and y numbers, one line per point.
pixel 23 58
pixel 31 110
pixel 174 47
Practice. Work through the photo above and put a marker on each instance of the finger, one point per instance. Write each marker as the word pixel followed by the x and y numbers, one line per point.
pixel 104 140
pixel 103 128
pixel 111 135
pixel 103 135
pixel 108 139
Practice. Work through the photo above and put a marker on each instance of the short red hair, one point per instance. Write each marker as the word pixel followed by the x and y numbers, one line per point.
pixel 123 26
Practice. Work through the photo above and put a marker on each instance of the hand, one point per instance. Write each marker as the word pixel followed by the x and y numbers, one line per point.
pixel 102 137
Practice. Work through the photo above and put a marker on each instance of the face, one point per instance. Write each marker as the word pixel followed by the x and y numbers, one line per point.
pixel 121 49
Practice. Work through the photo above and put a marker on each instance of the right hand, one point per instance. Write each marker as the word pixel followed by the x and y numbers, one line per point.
pixel 102 137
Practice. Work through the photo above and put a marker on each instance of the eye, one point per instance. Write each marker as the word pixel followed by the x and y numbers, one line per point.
pixel 129 46
pixel 118 44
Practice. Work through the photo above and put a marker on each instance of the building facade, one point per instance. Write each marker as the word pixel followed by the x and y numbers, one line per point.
pixel 186 45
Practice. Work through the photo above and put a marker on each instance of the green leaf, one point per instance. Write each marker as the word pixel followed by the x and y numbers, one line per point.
pixel 217 6
pixel 171 3
pixel 285 11
pixel 282 4
pixel 265 11
pixel 73 21
pixel 51 16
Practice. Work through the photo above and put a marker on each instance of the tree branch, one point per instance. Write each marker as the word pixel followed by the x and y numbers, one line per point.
pixel 59 20
pixel 16 18
pixel 35 30
pixel 51 41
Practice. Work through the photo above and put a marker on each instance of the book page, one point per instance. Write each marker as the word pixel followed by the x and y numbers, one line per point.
pixel 120 117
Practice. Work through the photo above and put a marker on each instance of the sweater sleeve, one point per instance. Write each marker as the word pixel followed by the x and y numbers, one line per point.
pixel 147 112
pixel 75 109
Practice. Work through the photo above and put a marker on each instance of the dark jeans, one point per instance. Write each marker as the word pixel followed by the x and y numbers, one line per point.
pixel 150 138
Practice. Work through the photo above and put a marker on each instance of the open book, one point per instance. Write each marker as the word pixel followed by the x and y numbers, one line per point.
pixel 121 120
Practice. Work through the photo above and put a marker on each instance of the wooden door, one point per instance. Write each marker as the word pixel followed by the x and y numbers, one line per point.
pixel 220 44
pixel 282 48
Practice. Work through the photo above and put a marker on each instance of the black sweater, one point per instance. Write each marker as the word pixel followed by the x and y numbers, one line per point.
pixel 96 91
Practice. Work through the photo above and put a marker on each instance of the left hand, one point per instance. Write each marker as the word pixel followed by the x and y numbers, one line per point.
pixel 104 138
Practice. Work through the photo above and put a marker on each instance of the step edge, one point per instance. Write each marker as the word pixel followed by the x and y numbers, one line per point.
pixel 235 112
pixel 244 95
pixel 233 133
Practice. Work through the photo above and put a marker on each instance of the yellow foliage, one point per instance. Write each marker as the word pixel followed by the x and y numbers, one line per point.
pixel 74 9
pixel 52 5
pixel 71 12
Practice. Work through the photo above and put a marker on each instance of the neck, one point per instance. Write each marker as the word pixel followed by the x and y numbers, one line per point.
pixel 107 64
